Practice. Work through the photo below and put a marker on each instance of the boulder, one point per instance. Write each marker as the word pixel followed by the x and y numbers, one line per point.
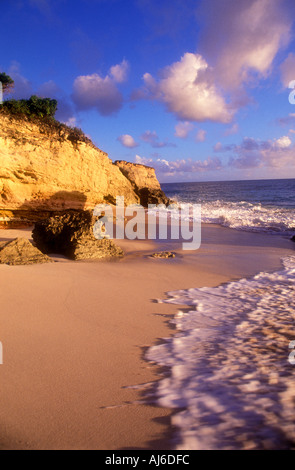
pixel 293 239
pixel 164 255
pixel 21 252
pixel 71 234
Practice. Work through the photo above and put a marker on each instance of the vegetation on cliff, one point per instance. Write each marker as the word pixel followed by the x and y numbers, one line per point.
pixel 48 167
pixel 35 106
pixel 39 111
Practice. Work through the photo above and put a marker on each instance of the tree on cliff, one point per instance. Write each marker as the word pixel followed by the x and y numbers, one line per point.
pixel 35 106
pixel 7 82
pixel 42 106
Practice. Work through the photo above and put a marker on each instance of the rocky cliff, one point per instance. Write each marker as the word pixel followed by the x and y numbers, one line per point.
pixel 45 170
pixel 144 182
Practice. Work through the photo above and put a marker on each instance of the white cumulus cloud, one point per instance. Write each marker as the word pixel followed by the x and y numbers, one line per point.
pixel 283 142
pixel 188 91
pixel 100 93
pixel 127 141
pixel 120 72
pixel 180 167
pixel 246 37
pixel 182 129
pixel 201 135
pixel 288 70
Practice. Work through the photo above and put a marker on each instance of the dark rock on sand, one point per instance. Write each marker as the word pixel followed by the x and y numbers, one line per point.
pixel 164 255
pixel 21 252
pixel 71 234
pixel 293 239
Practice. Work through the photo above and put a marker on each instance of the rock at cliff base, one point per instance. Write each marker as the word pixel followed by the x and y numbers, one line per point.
pixel 155 196
pixel 71 234
pixel 21 252
pixel 293 239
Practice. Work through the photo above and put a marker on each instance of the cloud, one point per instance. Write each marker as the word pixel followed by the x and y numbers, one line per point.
pixel 127 141
pixel 251 153
pixel 71 122
pixel 234 129
pixel 219 148
pixel 180 167
pixel 23 88
pixel 201 136
pixel 65 111
pixel 183 129
pixel 287 121
pixel 100 93
pixel 245 40
pixel 120 72
pixel 188 90
pixel 283 142
pixel 239 42
pixel 288 70
pixel 152 138
pixel 251 145
pixel 49 90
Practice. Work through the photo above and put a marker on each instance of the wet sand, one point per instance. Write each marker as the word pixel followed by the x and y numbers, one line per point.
pixel 74 336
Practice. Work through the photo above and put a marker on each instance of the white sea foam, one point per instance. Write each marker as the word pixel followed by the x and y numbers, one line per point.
pixel 246 216
pixel 250 217
pixel 229 366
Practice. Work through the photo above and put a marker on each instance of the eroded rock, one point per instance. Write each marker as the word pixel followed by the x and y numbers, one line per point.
pixel 71 234
pixel 21 252
pixel 144 182
pixel 164 255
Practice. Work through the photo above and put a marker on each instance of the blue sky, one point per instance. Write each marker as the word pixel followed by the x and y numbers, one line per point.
pixel 197 89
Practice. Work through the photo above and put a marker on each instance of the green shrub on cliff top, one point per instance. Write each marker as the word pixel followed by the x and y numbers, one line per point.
pixel 42 112
pixel 40 107
pixel 19 110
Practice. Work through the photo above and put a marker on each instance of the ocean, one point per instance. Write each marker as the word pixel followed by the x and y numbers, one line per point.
pixel 257 206
pixel 231 382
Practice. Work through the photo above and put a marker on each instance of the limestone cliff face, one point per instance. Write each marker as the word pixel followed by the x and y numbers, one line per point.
pixel 141 176
pixel 144 182
pixel 42 171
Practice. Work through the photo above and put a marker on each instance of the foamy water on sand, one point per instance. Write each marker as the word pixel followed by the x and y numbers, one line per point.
pixel 230 379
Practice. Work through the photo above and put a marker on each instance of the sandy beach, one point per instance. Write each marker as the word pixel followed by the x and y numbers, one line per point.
pixel 74 337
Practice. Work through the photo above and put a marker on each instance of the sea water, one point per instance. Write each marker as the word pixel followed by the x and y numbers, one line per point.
pixel 231 382
pixel 257 206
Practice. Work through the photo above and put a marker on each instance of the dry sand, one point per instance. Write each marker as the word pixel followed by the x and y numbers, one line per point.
pixel 74 337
